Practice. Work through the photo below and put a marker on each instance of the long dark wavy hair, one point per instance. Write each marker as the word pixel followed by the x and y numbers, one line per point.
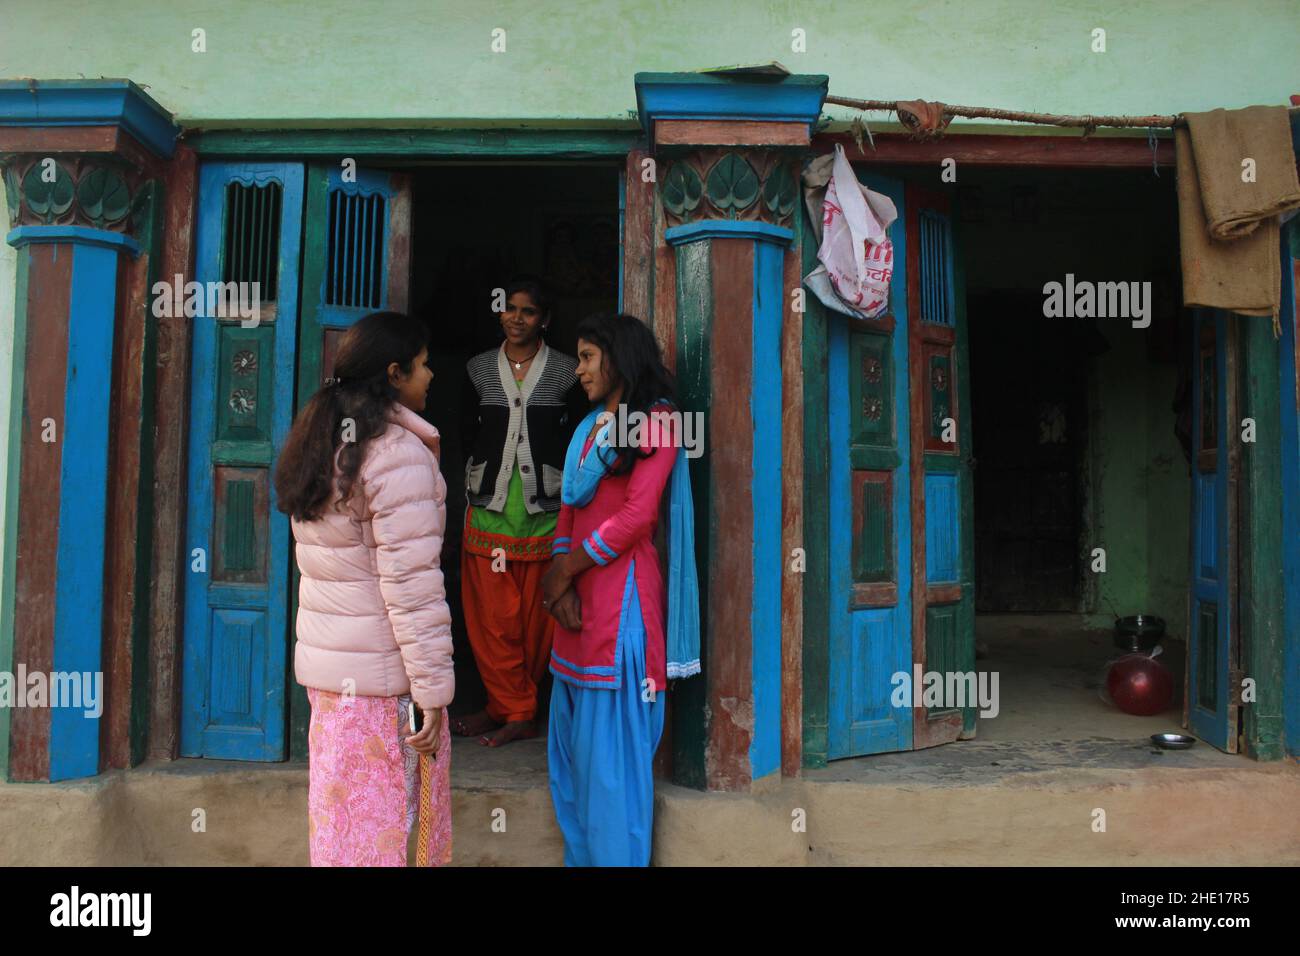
pixel 360 391
pixel 631 355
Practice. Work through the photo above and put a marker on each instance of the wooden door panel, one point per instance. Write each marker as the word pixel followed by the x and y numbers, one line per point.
pixel 870 525
pixel 236 616
pixel 942 529
pixel 943 615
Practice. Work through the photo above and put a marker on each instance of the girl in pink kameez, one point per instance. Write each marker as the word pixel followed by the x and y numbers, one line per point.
pixel 623 632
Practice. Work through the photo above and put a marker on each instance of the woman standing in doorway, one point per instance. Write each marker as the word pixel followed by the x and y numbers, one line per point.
pixel 621 634
pixel 521 401
pixel 359 477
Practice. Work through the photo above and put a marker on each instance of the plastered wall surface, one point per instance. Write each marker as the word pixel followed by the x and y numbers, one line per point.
pixel 420 62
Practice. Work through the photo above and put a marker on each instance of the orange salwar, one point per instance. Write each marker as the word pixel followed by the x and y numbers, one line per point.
pixel 509 631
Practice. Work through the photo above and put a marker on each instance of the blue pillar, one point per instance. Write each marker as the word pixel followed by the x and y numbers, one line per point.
pixel 81 438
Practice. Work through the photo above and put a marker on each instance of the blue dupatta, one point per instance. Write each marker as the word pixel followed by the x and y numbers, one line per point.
pixel 581 478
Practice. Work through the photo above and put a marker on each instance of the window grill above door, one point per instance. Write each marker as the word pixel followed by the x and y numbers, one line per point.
pixel 355 268
pixel 252 236
pixel 936 268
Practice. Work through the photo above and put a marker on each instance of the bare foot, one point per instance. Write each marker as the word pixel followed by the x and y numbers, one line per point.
pixel 515 730
pixel 473 725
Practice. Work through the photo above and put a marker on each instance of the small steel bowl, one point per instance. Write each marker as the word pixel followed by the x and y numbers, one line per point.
pixel 1141 632
pixel 1173 741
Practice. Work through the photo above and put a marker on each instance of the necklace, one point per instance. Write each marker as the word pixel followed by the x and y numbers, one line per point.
pixel 522 362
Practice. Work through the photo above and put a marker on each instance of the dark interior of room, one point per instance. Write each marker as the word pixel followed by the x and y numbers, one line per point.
pixel 474 227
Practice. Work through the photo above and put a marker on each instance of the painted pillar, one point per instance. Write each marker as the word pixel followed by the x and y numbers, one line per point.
pixel 71 285
pixel 727 153
pixel 81 166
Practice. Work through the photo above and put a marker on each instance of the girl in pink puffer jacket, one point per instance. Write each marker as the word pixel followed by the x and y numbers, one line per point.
pixel 359 477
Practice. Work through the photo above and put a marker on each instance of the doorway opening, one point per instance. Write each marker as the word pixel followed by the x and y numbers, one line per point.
pixel 474 227
pixel 1081 437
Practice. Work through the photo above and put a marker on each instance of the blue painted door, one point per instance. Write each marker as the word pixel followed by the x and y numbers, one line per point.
pixel 870 517
pixel 356 260
pixel 1210 708
pixel 943 551
pixel 241 404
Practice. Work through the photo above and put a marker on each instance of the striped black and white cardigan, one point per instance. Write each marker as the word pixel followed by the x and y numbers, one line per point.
pixel 530 423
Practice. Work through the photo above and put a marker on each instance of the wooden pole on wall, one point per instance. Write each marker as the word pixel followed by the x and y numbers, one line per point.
pixel 171 435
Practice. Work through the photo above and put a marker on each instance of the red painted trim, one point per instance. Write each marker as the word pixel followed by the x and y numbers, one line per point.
pixel 731 563
pixel 49 286
pixel 943 594
pixel 121 533
pixel 1207 456
pixel 664 305
pixel 1073 152
pixel 399 244
pixel 792 455
pixel 749 133
pixel 171 435
pixel 858 478
pixel 52 140
pixel 874 595
pixel 56 140
pixel 921 338
pixel 933 344
pixel 883 323
pixel 916 431
pixel 650 293
pixel 638 238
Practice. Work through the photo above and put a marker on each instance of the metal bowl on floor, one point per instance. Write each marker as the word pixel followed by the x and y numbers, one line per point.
pixel 1139 632
pixel 1172 741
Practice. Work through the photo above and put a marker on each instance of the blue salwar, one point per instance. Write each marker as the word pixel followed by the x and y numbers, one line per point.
pixel 600 746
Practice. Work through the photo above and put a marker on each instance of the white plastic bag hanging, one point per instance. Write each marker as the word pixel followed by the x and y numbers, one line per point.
pixel 856 254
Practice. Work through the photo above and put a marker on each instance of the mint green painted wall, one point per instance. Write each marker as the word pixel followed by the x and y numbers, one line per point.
pixel 1141 485
pixel 1118 433
pixel 423 61
pixel 1169 489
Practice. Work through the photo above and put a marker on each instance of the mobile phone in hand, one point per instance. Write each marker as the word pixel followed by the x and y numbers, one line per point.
pixel 416 717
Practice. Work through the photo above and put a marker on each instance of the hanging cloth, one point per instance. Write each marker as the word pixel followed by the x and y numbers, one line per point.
pixel 856 254
pixel 1228 221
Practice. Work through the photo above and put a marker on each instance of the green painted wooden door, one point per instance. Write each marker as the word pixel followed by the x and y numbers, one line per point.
pixel 943 553
pixel 356 260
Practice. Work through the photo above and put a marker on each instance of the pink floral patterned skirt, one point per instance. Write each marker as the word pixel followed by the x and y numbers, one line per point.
pixel 364 783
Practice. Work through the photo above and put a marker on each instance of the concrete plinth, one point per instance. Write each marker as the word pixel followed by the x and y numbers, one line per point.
pixel 1024 792
pixel 970 803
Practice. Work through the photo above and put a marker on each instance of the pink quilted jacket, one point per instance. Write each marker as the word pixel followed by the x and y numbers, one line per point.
pixel 371 606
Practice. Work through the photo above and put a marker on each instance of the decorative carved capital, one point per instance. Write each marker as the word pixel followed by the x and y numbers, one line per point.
pixel 71 190
pixel 754 185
